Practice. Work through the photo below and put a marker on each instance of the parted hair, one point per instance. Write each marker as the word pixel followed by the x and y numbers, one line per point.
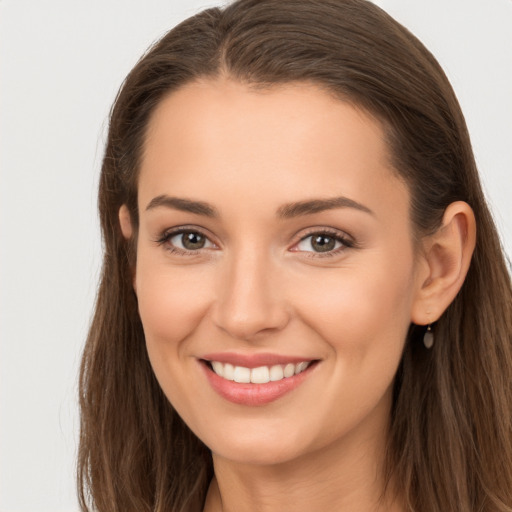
pixel 450 437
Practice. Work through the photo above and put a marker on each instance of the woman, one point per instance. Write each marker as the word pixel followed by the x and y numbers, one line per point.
pixel 304 304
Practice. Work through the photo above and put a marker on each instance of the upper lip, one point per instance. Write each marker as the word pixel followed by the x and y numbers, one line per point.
pixel 254 360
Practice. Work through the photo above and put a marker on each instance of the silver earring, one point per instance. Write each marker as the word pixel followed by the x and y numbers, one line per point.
pixel 428 337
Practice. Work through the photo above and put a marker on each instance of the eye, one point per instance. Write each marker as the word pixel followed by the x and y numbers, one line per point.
pixel 185 241
pixel 325 243
pixel 189 240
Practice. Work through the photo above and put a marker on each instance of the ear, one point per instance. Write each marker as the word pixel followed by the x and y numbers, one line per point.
pixel 125 222
pixel 446 258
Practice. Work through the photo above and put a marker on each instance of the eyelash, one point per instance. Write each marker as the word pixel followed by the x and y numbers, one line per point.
pixel 167 235
pixel 346 243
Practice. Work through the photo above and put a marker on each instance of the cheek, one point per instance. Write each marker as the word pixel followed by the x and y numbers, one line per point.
pixel 363 318
pixel 172 302
pixel 358 309
pixel 171 306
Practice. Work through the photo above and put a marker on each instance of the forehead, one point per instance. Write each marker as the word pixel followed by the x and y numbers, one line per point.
pixel 286 142
pixel 225 111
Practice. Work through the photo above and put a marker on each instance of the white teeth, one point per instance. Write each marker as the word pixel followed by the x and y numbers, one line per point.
pixel 289 370
pixel 276 373
pixel 301 367
pixel 229 372
pixel 260 375
pixel 218 368
pixel 242 374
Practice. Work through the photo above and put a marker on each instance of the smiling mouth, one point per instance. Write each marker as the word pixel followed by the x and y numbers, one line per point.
pixel 265 378
pixel 259 375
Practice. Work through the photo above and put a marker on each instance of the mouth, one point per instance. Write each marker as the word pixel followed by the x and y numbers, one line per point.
pixel 256 383
pixel 258 375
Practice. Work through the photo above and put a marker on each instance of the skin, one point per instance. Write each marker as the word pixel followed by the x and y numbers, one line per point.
pixel 259 286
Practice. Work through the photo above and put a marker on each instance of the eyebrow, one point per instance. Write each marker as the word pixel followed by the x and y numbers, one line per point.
pixel 291 210
pixel 185 205
pixel 286 211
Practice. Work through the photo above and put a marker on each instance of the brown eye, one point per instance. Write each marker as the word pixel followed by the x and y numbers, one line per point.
pixel 191 240
pixel 326 243
pixel 322 243
pixel 187 241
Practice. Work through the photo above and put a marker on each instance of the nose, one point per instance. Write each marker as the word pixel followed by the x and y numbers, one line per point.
pixel 250 300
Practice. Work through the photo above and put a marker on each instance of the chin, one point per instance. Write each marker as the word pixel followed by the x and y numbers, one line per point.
pixel 258 448
pixel 258 455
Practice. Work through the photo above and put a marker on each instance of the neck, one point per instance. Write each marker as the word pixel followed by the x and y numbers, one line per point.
pixel 346 476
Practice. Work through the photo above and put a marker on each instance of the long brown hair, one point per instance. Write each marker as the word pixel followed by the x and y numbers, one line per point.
pixel 450 440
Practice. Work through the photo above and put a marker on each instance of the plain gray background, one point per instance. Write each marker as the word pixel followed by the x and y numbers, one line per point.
pixel 61 63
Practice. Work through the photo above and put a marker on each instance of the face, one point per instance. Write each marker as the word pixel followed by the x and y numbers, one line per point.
pixel 275 249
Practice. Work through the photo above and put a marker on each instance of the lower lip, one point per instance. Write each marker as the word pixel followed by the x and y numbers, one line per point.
pixel 254 394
